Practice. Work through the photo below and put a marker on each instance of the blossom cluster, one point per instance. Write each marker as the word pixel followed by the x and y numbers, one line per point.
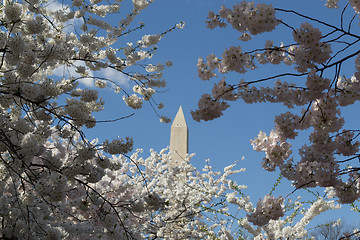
pixel 310 49
pixel 209 109
pixel 267 209
pixel 246 17
pixel 356 5
pixel 332 3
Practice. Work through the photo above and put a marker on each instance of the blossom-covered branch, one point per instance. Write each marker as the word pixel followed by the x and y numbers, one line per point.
pixel 316 59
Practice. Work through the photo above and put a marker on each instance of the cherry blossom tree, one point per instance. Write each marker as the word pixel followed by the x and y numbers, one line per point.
pixel 315 59
pixel 50 172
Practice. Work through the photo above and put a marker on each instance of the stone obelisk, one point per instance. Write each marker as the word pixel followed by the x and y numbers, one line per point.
pixel 179 138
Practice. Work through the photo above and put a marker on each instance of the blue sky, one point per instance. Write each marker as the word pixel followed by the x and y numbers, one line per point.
pixel 223 140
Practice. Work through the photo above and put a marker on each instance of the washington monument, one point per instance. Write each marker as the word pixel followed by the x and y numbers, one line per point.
pixel 179 138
